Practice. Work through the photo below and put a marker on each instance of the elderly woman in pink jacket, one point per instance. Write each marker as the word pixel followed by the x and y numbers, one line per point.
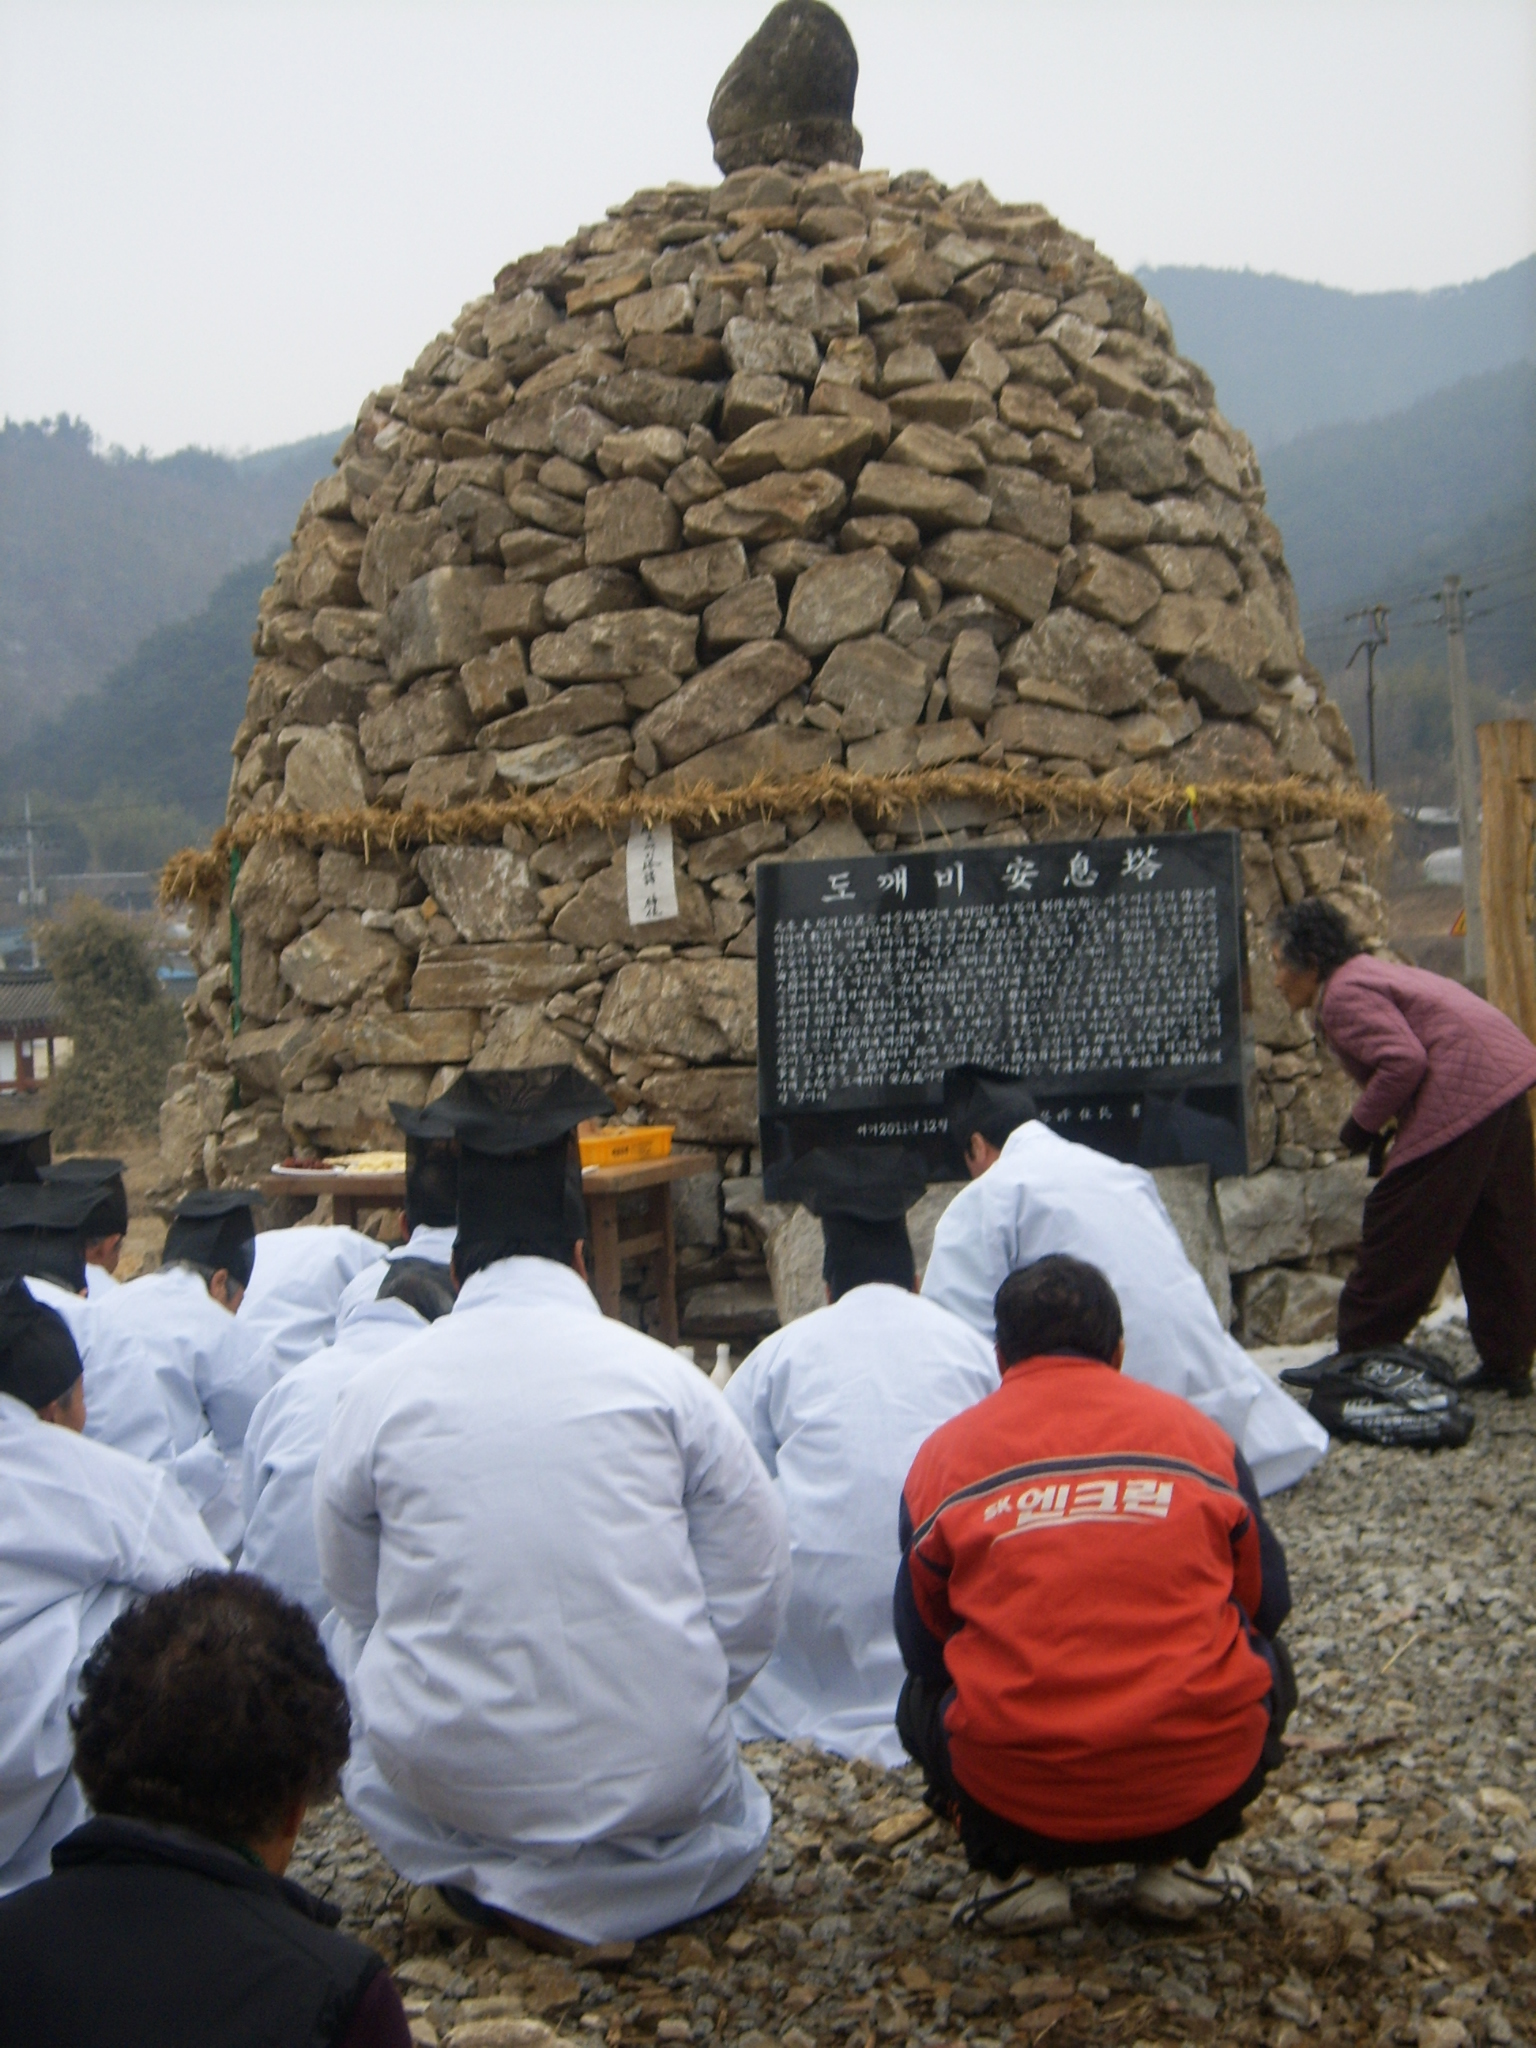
pixel 1452 1073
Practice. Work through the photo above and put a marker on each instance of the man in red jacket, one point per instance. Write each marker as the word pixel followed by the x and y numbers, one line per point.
pixel 1450 1072
pixel 1087 1607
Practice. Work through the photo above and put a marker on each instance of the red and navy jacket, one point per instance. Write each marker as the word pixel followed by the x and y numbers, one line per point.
pixel 1085 1563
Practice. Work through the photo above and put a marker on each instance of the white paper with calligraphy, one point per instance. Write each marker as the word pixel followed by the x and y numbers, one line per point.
pixel 652 881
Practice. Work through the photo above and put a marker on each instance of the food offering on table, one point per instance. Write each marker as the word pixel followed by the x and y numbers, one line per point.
pixel 347 1163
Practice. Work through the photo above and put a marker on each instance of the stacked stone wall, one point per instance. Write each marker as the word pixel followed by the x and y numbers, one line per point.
pixel 808 468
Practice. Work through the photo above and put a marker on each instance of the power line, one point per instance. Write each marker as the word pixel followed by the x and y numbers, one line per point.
pixel 1490 573
pixel 1325 628
pixel 1378 636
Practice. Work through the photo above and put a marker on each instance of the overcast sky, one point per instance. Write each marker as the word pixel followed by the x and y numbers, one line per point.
pixel 224 222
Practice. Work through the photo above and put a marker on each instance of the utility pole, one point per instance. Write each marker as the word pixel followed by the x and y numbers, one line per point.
pixel 31 883
pixel 1468 791
pixel 1378 636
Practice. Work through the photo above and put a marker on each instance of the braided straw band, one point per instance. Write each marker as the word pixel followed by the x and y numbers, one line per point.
pixel 1142 798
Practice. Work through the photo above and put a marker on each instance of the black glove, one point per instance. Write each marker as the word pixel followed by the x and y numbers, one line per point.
pixel 1355 1138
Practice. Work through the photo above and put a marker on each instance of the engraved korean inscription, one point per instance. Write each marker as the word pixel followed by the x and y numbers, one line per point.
pixel 1102 972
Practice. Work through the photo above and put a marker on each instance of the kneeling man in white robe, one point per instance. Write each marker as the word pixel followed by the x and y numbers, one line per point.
pixel 1033 1193
pixel 180 1324
pixel 555 1560
pixel 41 1228
pixel 431 1209
pixel 107 1224
pixel 83 1528
pixel 838 1405
pixel 288 1431
pixel 298 1278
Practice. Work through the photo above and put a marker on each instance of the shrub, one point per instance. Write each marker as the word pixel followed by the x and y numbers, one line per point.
pixel 126 1031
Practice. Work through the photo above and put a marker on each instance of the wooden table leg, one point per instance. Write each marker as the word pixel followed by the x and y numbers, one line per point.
pixel 665 1264
pixel 603 1218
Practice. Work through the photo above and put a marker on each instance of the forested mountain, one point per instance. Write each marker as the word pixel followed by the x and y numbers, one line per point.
pixel 1288 356
pixel 1399 444
pixel 1382 513
pixel 1371 512
pixel 97 549
pixel 140 765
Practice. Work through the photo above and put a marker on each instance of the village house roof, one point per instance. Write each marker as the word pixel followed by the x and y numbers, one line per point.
pixel 29 1005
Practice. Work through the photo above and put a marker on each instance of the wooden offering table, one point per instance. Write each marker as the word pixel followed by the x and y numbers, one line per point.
pixel 603 1186
pixel 350 1193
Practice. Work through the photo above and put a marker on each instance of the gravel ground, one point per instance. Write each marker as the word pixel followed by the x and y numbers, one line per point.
pixel 1394 1855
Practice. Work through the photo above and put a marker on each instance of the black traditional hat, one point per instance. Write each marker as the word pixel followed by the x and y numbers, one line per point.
pixel 977 1099
pixel 519 1177
pixel 110 1216
pixel 517 1110
pixel 38 1359
pixel 43 1231
pixel 431 1165
pixel 213 1229
pixel 862 1194
pixel 21 1154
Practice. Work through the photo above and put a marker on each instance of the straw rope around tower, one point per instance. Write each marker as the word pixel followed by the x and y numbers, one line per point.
pixel 1141 800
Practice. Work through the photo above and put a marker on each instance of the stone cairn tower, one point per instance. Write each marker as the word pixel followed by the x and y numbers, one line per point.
pixel 815 512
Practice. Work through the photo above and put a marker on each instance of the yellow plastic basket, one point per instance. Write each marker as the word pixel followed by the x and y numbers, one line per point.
pixel 626 1144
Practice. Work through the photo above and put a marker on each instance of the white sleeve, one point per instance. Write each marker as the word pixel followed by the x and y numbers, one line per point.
pixel 346 1513
pixel 232 1376
pixel 174 1541
pixel 255 1471
pixel 200 1470
pixel 153 1534
pixel 124 1406
pixel 747 1395
pixel 970 1258
pixel 738 1531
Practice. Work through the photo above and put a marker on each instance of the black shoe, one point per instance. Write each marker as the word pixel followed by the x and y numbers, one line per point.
pixel 462 1902
pixel 472 1912
pixel 1485 1382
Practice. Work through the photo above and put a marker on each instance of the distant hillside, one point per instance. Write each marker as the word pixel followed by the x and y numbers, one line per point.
pixel 1368 510
pixel 140 765
pixel 1382 513
pixel 1288 356
pixel 96 550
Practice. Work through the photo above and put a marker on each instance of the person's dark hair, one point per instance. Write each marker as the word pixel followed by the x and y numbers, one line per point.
pixel 210 1706
pixel 1057 1306
pixel 858 1254
pixel 976 1099
pixel 431 1182
pixel 537 1217
pixel 241 1264
pixel 1312 934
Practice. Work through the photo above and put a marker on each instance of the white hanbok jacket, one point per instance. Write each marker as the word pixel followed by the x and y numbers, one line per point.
pixel 838 1405
pixel 296 1287
pixel 210 1377
pixel 555 1559
pixel 83 1528
pixel 430 1241
pixel 123 1403
pixel 1046 1194
pixel 284 1442
pixel 99 1281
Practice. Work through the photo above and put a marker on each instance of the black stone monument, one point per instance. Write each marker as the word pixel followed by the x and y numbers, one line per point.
pixel 1108 973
